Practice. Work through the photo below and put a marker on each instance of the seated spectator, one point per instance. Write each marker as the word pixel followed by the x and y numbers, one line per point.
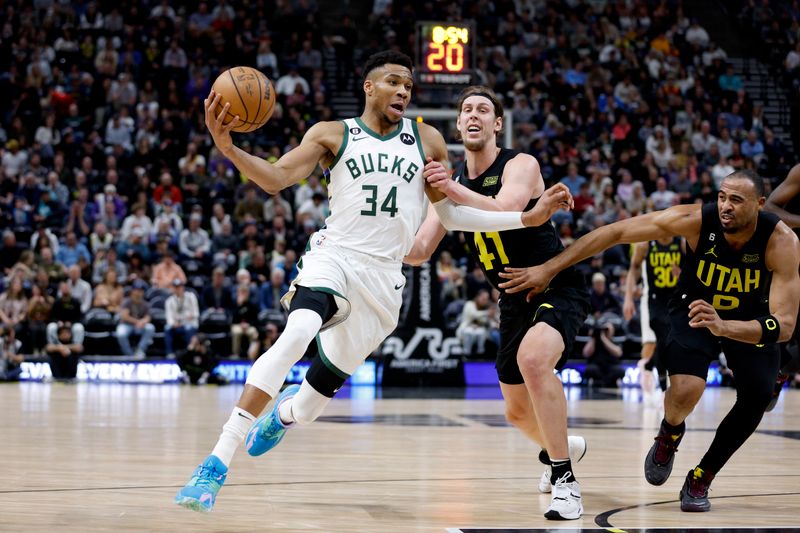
pixel 170 217
pixel 39 306
pixel 167 271
pixel 602 301
pixel 270 336
pixel 71 250
pixel 11 252
pixel 134 319
pixel 245 316
pixel 101 238
pixel 752 147
pixel 137 219
pixel 10 355
pixel 314 210
pixel 66 312
pixel 14 307
pixel 249 206
pixel 194 242
pixel 183 316
pixel 136 243
pixel 662 197
pixel 243 278
pixel 277 205
pixel 602 355
pixel 478 318
pixel 55 271
pixel 24 268
pixel 217 296
pixel 81 289
pixel 63 349
pixel 138 269
pixel 218 218
pixel 273 290
pixel 259 268
pixel 106 260
pixel 224 246
pixel 108 295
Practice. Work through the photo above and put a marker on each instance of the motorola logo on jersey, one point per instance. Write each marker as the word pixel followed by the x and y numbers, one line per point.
pixel 355 130
pixel 407 138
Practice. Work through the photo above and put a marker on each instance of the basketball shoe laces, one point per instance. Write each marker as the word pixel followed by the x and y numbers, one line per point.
pixel 208 478
pixel 699 482
pixel 667 447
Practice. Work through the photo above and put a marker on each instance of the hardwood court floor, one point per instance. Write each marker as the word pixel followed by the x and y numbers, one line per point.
pixel 90 457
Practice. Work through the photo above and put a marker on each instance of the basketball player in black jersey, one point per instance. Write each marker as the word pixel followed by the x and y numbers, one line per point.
pixel 662 261
pixel 537 336
pixel 785 202
pixel 737 293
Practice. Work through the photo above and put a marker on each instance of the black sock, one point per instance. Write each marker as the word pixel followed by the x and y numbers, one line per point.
pixel 544 458
pixel 562 470
pixel 669 429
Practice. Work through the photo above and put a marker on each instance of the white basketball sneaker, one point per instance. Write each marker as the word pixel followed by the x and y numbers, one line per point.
pixel 577 449
pixel 566 503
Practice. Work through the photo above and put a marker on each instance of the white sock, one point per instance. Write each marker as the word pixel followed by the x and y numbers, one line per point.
pixel 233 434
pixel 285 412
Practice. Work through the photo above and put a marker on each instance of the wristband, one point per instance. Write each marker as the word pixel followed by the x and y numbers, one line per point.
pixel 770 329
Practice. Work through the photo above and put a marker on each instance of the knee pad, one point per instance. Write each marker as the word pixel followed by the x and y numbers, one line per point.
pixel 320 302
pixel 308 404
pixel 323 379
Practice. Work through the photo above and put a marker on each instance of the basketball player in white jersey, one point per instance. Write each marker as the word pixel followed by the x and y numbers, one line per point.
pixel 349 288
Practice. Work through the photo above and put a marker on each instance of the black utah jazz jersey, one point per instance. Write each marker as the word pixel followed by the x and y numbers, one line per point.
pixel 661 268
pixel 517 248
pixel 735 282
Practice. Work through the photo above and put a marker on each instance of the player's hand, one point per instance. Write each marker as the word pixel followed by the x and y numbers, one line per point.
pixel 219 132
pixel 535 278
pixel 553 199
pixel 703 315
pixel 437 175
pixel 628 309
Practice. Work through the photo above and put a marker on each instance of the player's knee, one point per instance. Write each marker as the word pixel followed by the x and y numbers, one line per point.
pixel 535 364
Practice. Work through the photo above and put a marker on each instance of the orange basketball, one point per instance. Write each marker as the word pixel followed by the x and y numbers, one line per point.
pixel 250 94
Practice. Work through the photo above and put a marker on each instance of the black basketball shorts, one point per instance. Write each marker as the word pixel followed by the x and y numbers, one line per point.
pixel 563 308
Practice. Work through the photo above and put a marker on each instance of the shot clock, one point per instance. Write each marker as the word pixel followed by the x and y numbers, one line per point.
pixel 445 53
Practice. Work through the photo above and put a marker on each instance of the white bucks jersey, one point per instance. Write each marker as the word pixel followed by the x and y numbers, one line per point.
pixel 376 190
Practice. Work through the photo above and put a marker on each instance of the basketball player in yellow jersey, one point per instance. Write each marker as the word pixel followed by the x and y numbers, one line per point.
pixel 737 292
pixel 348 291
pixel 658 264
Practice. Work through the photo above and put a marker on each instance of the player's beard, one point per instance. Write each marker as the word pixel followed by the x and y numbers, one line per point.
pixel 474 146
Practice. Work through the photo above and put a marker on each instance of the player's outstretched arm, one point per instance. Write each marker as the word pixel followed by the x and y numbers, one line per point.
pixel 632 279
pixel 783 259
pixel 289 169
pixel 428 237
pixel 781 196
pixel 678 220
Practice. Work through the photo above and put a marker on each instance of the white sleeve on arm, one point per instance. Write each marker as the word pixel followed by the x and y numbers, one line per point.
pixel 462 218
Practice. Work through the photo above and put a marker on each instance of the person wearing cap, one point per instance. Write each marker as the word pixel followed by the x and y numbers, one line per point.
pixel 167 271
pixel 134 319
pixel 183 315
pixel 194 242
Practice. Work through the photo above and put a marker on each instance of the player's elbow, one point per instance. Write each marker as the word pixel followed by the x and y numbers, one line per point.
pixel 788 324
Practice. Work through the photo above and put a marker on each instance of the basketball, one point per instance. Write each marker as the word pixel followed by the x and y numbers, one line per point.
pixel 250 94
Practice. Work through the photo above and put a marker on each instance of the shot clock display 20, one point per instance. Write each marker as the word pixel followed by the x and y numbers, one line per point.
pixel 444 53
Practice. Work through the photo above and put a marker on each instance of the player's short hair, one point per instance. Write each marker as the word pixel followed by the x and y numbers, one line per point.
pixel 480 90
pixel 387 57
pixel 752 175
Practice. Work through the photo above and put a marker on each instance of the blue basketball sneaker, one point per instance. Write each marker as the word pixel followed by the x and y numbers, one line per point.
pixel 268 430
pixel 201 491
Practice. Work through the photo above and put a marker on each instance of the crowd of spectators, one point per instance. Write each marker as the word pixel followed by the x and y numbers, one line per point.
pixel 117 213
pixel 115 206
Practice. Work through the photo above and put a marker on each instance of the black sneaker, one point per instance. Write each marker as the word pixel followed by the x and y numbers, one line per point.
pixel 776 391
pixel 658 463
pixel 694 494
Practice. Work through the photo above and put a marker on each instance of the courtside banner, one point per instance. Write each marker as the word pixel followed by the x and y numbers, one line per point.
pixel 419 352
